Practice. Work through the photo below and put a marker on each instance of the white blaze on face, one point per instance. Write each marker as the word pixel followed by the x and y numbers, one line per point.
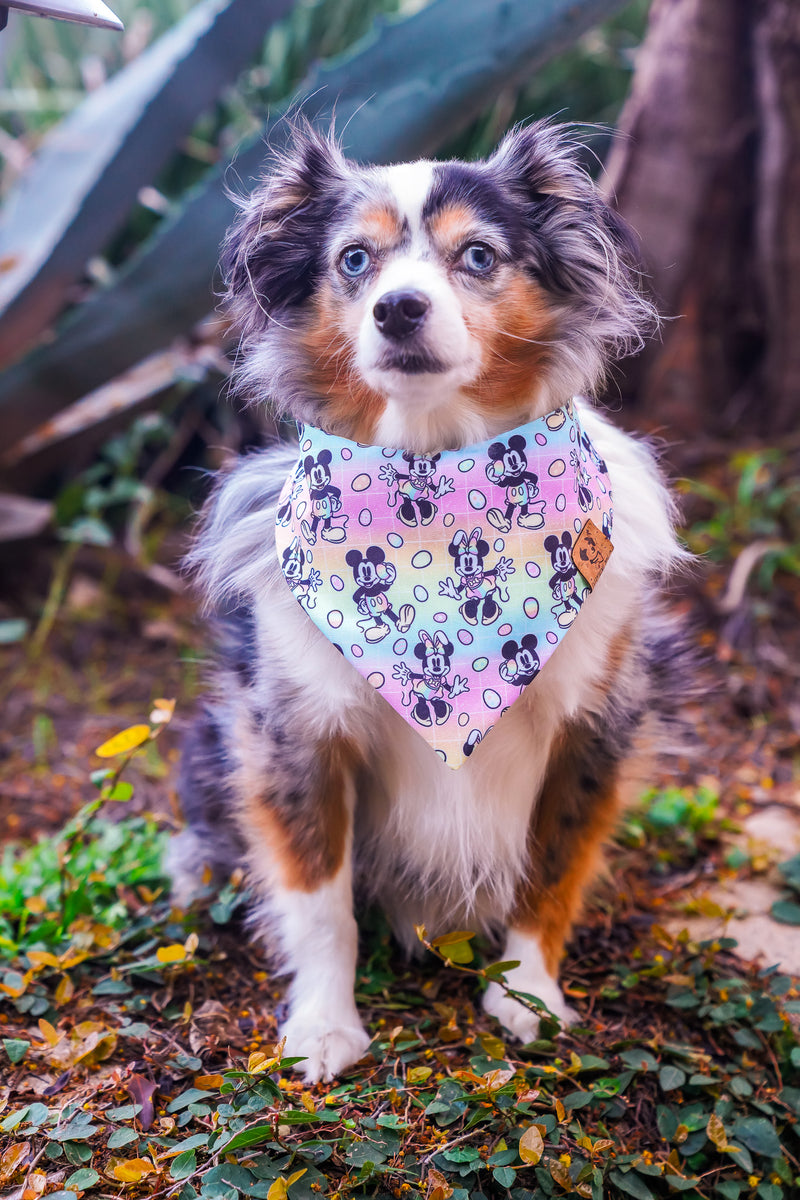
pixel 416 268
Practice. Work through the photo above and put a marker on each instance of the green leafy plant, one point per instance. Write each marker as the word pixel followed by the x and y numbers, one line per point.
pixel 676 820
pixel 757 502
pixel 684 1077
pixel 58 888
pixel 787 908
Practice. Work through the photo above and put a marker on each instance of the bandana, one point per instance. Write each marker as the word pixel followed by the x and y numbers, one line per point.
pixel 447 580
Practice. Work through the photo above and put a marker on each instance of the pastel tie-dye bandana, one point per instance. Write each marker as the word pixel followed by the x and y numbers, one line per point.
pixel 447 580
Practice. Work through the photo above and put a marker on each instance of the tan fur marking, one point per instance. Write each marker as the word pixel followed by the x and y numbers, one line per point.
pixel 568 829
pixel 452 226
pixel 351 407
pixel 382 225
pixel 308 847
pixel 514 327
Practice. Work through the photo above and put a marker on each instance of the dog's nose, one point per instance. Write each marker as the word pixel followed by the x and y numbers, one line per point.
pixel 399 314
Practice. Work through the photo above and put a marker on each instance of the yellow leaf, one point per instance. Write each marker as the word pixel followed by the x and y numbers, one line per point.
pixel 35 904
pixel 492 1045
pixel 295 1176
pixel 602 1144
pixel 121 743
pixel 561 1175
pixel 131 1170
pixel 531 1146
pixel 259 1062
pixel 42 958
pixel 419 1074
pixel 438 1187
pixel 209 1083
pixel 96 1048
pixel 561 1112
pixel 12 1159
pixel 171 954
pixel 715 1132
pixel 65 990
pixel 48 1032
pixel 450 939
pixel 72 956
pixel 278 1189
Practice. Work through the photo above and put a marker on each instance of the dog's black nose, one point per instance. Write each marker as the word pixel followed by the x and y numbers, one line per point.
pixel 399 314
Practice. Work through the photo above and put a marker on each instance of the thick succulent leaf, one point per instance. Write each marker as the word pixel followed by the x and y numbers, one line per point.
pixel 85 12
pixel 395 96
pixel 88 171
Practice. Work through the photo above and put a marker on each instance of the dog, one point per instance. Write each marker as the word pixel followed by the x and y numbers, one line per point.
pixel 411 311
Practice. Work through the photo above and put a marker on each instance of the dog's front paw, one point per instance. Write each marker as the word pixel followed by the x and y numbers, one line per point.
pixel 327 1049
pixel 521 1021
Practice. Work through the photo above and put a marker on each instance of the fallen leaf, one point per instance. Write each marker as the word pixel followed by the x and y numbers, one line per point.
pixel 531 1145
pixel 122 742
pixel 171 954
pixel 141 1091
pixel 209 1083
pixel 131 1170
pixel 13 1159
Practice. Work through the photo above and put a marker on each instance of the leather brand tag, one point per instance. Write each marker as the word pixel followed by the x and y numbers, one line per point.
pixel 591 552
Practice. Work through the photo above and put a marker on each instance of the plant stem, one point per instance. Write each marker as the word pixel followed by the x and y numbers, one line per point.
pixel 55 598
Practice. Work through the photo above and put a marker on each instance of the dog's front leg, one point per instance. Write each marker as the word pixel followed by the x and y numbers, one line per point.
pixel 300 839
pixel 577 810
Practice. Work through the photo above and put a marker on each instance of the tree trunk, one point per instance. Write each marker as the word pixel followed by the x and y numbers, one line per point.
pixel 708 173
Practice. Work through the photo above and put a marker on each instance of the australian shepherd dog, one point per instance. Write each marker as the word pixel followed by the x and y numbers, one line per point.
pixel 422 307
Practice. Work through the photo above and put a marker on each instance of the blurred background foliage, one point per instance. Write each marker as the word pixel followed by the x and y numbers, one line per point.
pixel 50 66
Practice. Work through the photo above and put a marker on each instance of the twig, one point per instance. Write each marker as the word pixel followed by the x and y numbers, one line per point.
pixel 741 571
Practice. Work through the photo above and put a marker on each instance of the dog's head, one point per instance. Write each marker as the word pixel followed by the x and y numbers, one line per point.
pixel 430 303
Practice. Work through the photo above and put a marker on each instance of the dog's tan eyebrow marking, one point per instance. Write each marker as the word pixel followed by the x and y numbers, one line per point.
pixel 455 224
pixel 383 225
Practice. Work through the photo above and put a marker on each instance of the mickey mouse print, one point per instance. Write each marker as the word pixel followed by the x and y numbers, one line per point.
pixel 447 579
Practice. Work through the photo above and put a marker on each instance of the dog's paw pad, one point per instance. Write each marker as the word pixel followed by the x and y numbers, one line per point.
pixel 327 1050
pixel 520 1021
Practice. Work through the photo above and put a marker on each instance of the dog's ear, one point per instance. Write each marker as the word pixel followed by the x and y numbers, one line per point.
pixel 272 254
pixel 577 248
pixel 540 161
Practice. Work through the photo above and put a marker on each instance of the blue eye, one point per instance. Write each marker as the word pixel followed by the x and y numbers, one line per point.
pixel 478 258
pixel 354 261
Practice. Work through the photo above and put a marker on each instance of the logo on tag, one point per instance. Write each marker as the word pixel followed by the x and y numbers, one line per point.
pixel 591 552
